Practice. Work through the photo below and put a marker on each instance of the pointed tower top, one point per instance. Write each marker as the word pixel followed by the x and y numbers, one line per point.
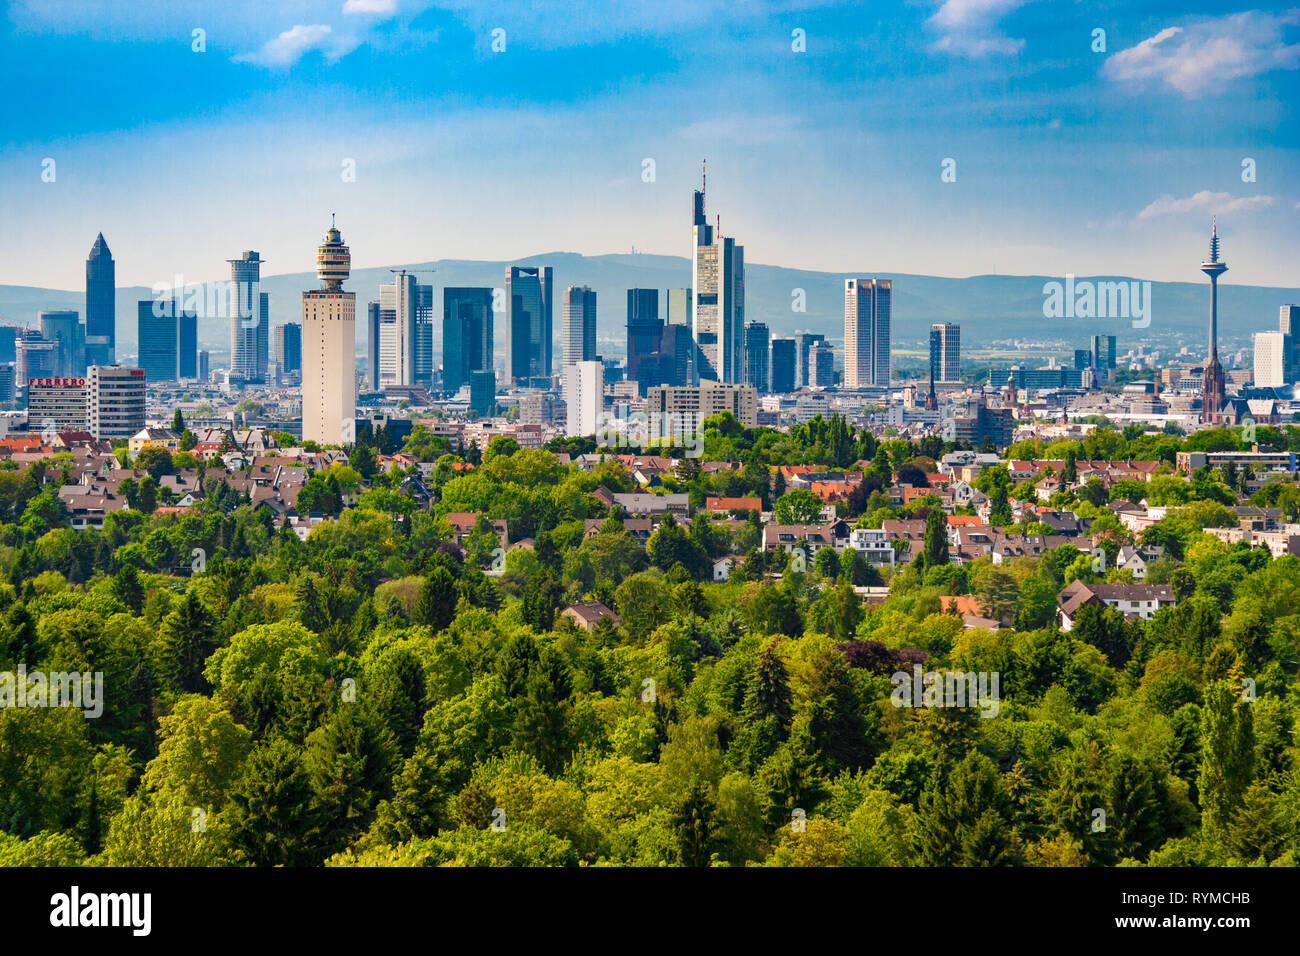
pixel 1212 265
pixel 100 248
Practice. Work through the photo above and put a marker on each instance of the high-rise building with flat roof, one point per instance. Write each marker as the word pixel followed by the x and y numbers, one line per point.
pixel 867 332
pixel 405 332
pixel 288 347
pixel 35 356
pixel 329 341
pixel 168 337
pixel 466 334
pixel 679 307
pixel 1289 322
pixel 250 319
pixel 678 356
pixel 115 401
pixel 65 330
pixel 528 322
pixel 101 305
pixel 718 295
pixel 804 372
pixel 372 346
pixel 1273 359
pixel 821 360
pixel 784 365
pixel 645 331
pixel 677 412
pixel 757 343
pixel 579 325
pixel 945 352
pixel 57 404
pixel 483 391
pixel 425 367
pixel 584 398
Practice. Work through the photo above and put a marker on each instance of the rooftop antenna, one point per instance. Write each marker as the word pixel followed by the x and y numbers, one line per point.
pixel 331 220
pixel 704 176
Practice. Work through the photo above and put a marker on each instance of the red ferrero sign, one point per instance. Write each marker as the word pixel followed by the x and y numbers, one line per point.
pixel 55 382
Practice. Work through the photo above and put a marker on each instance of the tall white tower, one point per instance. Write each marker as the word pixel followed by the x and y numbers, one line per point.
pixel 329 343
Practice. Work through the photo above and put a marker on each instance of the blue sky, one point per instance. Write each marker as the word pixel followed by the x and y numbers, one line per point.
pixel 1067 160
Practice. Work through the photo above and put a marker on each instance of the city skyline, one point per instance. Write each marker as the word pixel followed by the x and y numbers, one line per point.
pixel 1059 165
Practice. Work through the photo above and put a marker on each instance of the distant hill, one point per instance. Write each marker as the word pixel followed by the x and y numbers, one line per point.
pixel 989 308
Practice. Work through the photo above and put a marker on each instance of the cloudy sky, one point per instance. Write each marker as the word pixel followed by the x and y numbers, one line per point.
pixel 485 130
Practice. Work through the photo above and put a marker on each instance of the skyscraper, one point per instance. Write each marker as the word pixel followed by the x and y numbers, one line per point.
pixel 168 337
pixel 718 295
pixel 803 373
pixel 866 332
pixel 288 347
pixel 101 305
pixel 372 346
pixel 466 334
pixel 679 307
pixel 35 356
pixel 784 364
pixel 645 332
pixel 424 364
pixel 821 360
pixel 65 330
pixel 1272 359
pixel 528 322
pixel 329 399
pixel 482 391
pixel 945 351
pixel 579 325
pixel 1289 322
pixel 1103 357
pixel 398 330
pixel 756 355
pixel 1214 383
pixel 249 319
pixel 584 397
pixel 678 355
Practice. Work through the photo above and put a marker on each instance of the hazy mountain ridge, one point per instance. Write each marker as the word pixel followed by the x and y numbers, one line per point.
pixel 989 307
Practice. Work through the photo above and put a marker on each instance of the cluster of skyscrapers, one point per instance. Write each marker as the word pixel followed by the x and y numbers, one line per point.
pixel 696 334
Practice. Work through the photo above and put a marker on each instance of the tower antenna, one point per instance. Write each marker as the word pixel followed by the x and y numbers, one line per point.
pixel 704 176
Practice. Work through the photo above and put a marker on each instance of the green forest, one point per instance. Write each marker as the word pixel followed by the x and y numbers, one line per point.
pixel 380 695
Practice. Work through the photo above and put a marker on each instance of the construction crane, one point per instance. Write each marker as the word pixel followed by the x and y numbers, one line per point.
pixel 402 272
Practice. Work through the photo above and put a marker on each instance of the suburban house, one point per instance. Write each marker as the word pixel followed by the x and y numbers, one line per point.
pixel 1137 559
pixel 1142 600
pixel 642 503
pixel 463 522
pixel 588 615
pixel 874 545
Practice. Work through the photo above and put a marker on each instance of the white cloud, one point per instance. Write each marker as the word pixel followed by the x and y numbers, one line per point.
pixel 291 45
pixel 369 6
pixel 1205 200
pixel 969 28
pixel 1196 57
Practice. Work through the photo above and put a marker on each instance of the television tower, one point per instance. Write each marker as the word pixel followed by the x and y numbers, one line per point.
pixel 1214 385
